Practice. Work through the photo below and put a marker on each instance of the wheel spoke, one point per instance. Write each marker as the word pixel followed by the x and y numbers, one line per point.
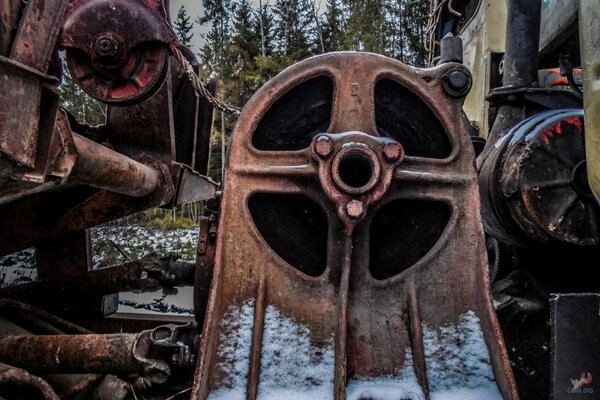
pixel 353 103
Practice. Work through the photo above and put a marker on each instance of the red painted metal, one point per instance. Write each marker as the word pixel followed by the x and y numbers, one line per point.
pixel 117 51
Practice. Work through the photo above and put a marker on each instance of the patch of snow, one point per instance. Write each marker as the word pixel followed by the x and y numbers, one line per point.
pixel 458 360
pixel 233 354
pixel 458 368
pixel 293 367
pixel 403 385
pixel 138 241
pixel 18 268
pixel 467 394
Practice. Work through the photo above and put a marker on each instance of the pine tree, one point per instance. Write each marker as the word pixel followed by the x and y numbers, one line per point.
pixel 215 61
pixel 245 47
pixel 291 28
pixel 267 65
pixel 183 26
pixel 365 30
pixel 263 24
pixel 84 108
pixel 332 28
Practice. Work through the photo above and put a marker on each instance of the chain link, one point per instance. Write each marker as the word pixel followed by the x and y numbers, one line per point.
pixel 199 87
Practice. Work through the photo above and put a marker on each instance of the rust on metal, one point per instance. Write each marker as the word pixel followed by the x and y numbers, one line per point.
pixel 101 167
pixel 114 353
pixel 534 183
pixel 148 353
pixel 112 59
pixel 10 374
pixel 358 285
pixel 22 96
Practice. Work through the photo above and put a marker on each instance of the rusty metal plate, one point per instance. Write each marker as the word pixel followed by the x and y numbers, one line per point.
pixel 351 254
pixel 21 75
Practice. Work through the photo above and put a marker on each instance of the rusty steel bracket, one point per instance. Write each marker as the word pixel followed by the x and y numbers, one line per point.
pixel 191 185
pixel 205 257
pixel 29 98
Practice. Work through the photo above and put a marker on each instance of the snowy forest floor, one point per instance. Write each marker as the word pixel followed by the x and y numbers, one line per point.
pixel 118 244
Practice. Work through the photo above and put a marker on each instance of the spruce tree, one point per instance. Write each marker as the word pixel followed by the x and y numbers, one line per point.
pixel 266 62
pixel 183 26
pixel 332 28
pixel 291 28
pixel 214 59
pixel 245 47
pixel 365 29
pixel 83 107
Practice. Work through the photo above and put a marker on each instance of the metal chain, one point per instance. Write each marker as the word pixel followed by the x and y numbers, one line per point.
pixel 435 13
pixel 199 87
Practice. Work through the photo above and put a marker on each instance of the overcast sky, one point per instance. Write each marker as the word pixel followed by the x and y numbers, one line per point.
pixel 194 9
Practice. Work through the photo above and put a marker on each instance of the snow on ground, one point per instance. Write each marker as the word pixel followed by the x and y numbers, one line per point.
pixel 18 268
pixel 110 242
pixel 233 354
pixel 117 244
pixel 157 303
pixel 402 386
pixel 458 368
pixel 292 367
pixel 457 358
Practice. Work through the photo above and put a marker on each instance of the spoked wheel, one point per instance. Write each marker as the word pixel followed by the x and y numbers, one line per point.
pixel 134 80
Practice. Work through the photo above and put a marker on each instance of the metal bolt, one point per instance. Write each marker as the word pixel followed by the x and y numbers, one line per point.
pixel 458 80
pixel 392 151
pixel 106 45
pixel 355 208
pixel 323 146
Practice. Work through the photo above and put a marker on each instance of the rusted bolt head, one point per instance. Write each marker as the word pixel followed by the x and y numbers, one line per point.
pixel 106 45
pixel 323 146
pixel 355 208
pixel 456 82
pixel 392 151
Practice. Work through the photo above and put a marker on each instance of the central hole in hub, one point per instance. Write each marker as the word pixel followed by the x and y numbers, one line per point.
pixel 356 169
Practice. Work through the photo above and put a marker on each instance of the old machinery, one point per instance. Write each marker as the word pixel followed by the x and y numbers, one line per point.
pixel 341 258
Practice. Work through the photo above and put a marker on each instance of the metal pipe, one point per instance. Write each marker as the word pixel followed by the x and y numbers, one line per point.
pixel 72 353
pixel 522 43
pixel 10 374
pixel 101 167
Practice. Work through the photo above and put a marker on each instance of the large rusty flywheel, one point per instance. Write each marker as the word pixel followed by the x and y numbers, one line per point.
pixel 351 255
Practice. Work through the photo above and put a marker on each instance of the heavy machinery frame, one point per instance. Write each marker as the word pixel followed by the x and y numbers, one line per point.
pixel 354 219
